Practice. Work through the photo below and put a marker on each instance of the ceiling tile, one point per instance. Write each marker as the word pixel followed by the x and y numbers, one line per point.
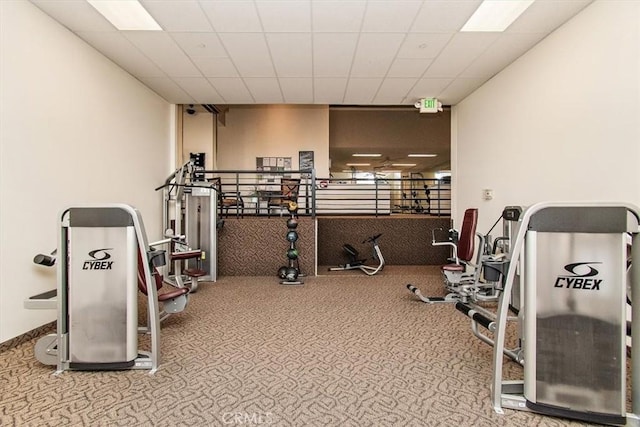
pixel 249 53
pixel 199 89
pixel 390 16
pixel 329 90
pixel 200 44
pixel 264 90
pixel 374 54
pixel 232 16
pixel 393 91
pixel 458 90
pixel 285 16
pixel 178 15
pixel 297 90
pixel 423 45
pixel 75 15
pixel 426 88
pixel 215 67
pixel 446 16
pixel 353 44
pixel 121 51
pixel 459 53
pixel 291 53
pixel 168 89
pixel 404 67
pixel 333 54
pixel 164 52
pixel 337 16
pixel 232 90
pixel 546 16
pixel 361 91
pixel 500 54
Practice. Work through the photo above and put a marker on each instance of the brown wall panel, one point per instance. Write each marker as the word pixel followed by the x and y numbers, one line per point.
pixel 404 241
pixel 256 246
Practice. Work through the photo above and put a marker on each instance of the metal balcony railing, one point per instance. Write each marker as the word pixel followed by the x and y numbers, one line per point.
pixel 260 190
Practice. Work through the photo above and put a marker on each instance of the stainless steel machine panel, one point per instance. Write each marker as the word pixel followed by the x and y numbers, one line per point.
pixel 200 225
pixel 102 294
pixel 578 359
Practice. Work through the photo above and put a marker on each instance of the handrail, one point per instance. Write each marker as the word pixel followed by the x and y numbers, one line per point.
pixel 330 196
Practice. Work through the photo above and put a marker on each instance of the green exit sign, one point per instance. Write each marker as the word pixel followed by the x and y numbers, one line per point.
pixel 429 105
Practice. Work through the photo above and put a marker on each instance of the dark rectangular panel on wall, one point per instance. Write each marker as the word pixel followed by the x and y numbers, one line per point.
pixel 404 241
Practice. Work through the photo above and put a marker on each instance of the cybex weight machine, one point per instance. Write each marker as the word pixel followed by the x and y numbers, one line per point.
pixel 97 292
pixel 570 260
pixel 191 209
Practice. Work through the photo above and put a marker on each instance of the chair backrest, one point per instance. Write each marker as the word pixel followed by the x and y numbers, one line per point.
pixel 217 185
pixel 467 234
pixel 290 189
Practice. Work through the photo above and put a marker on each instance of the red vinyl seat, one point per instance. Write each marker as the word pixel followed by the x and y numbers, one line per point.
pixel 165 296
pixel 465 246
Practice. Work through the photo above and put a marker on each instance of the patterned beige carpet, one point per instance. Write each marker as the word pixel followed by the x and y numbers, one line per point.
pixel 342 350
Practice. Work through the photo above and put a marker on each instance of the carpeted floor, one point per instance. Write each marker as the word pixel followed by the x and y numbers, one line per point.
pixel 341 350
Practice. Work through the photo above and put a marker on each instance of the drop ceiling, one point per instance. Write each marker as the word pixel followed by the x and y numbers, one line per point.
pixel 346 52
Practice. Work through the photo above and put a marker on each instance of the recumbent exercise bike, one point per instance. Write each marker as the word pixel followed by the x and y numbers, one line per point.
pixel 356 263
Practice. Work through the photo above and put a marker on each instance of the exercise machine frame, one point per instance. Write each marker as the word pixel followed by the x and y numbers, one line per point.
pixel 464 280
pixel 485 282
pixel 360 264
pixel 191 209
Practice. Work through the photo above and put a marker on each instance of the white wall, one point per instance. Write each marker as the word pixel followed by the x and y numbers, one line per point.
pixel 560 123
pixel 274 131
pixel 75 128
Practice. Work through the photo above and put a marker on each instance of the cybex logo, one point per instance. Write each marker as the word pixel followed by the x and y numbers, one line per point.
pixel 582 277
pixel 99 261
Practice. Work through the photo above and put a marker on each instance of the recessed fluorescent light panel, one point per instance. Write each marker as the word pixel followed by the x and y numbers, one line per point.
pixel 358 164
pixel 403 164
pixel 422 155
pixel 496 15
pixel 126 15
pixel 366 155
